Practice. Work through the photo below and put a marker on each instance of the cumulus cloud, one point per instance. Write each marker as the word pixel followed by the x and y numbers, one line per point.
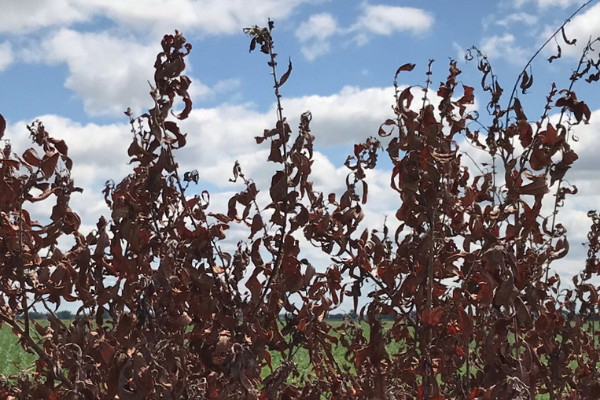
pixel 348 116
pixel 554 3
pixel 217 137
pixel 546 3
pixel 30 15
pixel 519 18
pixel 387 20
pixel 6 55
pixel 226 85
pixel 107 72
pixel 99 153
pixel 109 69
pixel 314 35
pixel 206 16
pixel 315 49
pixel 583 27
pixel 213 17
pixel 587 147
pixel 504 47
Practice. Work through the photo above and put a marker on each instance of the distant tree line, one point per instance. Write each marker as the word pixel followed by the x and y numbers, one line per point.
pixel 37 315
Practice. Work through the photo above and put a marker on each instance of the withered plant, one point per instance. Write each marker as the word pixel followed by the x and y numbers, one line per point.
pixel 166 313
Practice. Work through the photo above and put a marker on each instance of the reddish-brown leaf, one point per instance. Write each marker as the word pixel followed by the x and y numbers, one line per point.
pixel 465 323
pixel 2 126
pixel 405 99
pixel 187 109
pixel 523 314
pixel 526 82
pixel 558 54
pixel 60 145
pixel 589 288
pixel 49 164
pixel 365 192
pixel 257 225
pixel 182 321
pixel 134 149
pixel 31 157
pixel 564 35
pixel 561 248
pixel 286 75
pixel 540 158
pixel 180 138
pixel 505 293
pixel 525 133
pixel 537 187
pixel 474 393
pixel 405 67
pixel 550 136
pixel 468 96
pixel 254 286
pixel 581 111
pixel 10 163
pixel 106 352
pixel 278 189
pixel 382 131
pixel 433 316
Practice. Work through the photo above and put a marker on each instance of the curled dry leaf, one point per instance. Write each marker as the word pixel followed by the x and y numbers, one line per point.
pixel 173 305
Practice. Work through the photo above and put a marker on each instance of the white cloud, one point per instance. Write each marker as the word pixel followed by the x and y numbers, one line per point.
pixel 503 47
pixel 108 73
pixel 547 3
pixel 229 87
pixel 30 15
pixel 6 55
pixel 493 46
pixel 217 137
pixel 346 117
pixel 315 49
pixel 386 20
pixel 314 35
pixel 587 147
pixel 319 26
pixel 460 51
pixel 99 153
pixel 554 3
pixel 206 16
pixel 583 27
pixel 226 85
pixel 517 18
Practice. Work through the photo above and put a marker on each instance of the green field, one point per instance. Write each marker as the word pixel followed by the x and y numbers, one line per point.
pixel 16 360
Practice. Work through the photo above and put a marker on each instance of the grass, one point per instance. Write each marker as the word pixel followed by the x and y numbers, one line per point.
pixel 14 359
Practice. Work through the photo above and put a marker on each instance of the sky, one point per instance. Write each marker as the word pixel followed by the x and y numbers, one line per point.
pixel 77 66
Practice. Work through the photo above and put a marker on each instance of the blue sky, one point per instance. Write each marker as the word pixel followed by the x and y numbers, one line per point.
pixel 77 65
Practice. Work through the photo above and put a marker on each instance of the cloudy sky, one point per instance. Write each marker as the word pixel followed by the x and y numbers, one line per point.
pixel 77 65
